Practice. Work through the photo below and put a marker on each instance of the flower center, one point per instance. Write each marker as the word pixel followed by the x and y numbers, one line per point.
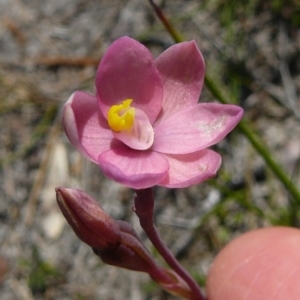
pixel 121 117
pixel 130 125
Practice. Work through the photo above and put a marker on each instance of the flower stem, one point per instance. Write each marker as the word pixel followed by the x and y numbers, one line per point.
pixel 144 205
pixel 154 271
pixel 256 142
pixel 174 33
pixel 245 128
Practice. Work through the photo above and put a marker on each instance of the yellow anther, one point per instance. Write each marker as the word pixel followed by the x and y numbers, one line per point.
pixel 121 117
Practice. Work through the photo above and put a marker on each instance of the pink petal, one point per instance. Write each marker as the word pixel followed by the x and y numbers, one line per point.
pixel 189 169
pixel 85 127
pixel 196 128
pixel 133 168
pixel 127 71
pixel 182 71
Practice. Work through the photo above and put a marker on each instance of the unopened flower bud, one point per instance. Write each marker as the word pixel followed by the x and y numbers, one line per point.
pixel 88 220
pixel 115 242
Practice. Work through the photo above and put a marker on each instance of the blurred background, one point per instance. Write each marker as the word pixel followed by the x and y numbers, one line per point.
pixel 49 49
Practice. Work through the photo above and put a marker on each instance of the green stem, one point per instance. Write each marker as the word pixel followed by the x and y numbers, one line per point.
pixel 244 127
pixel 37 133
pixel 173 32
pixel 256 142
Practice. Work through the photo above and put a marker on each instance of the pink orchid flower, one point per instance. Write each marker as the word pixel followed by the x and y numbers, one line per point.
pixel 145 126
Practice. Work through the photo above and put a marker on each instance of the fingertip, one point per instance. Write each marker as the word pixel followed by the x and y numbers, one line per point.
pixel 261 264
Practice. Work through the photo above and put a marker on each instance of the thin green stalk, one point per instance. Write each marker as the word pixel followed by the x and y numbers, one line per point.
pixel 38 132
pixel 255 141
pixel 173 32
pixel 244 127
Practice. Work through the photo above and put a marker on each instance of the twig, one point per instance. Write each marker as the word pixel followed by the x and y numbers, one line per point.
pixel 68 61
pixel 217 89
pixel 40 175
pixel 289 86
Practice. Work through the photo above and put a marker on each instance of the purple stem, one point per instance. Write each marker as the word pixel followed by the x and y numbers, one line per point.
pixel 144 205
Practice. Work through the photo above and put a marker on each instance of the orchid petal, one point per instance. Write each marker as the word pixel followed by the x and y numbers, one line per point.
pixel 189 169
pixel 85 127
pixel 196 128
pixel 133 168
pixel 127 71
pixel 182 71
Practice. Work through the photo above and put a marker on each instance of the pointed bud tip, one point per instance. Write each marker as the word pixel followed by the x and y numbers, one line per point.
pixel 87 218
